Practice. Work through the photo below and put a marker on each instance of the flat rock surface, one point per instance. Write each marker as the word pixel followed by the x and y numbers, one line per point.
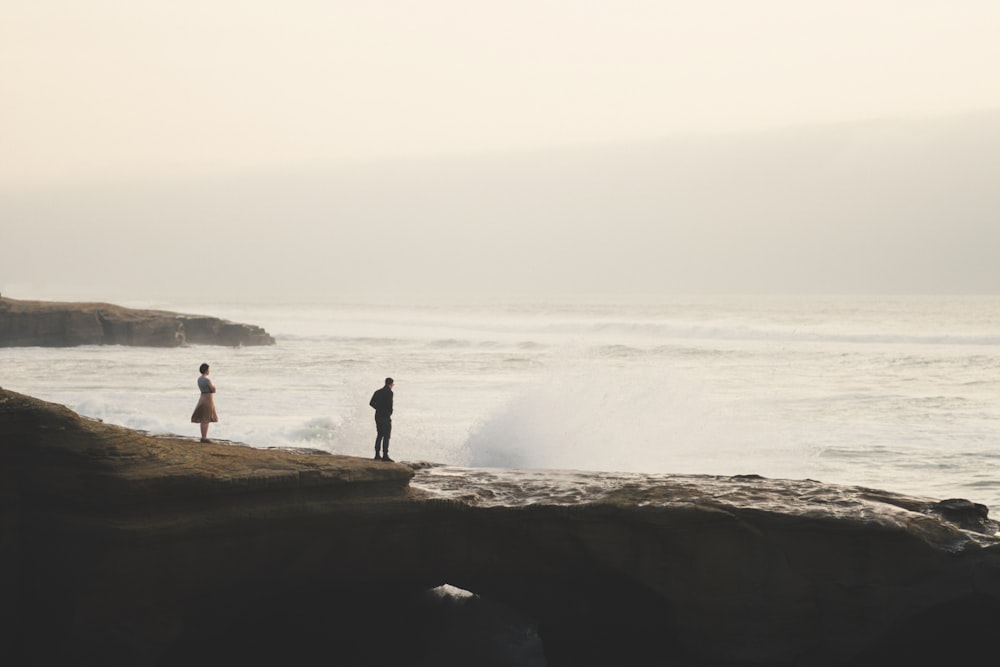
pixel 49 438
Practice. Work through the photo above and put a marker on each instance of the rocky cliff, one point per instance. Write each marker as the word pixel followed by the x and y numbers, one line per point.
pixel 123 548
pixel 54 324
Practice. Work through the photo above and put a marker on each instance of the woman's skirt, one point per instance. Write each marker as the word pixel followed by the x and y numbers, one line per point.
pixel 204 412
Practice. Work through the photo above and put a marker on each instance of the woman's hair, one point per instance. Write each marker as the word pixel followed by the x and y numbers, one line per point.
pixel 203 368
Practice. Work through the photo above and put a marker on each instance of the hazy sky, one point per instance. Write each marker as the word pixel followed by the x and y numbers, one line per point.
pixel 105 89
pixel 450 137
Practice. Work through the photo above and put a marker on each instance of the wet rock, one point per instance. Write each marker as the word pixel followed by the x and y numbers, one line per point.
pixel 966 514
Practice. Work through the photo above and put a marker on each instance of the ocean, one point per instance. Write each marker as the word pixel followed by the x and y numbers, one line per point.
pixel 900 393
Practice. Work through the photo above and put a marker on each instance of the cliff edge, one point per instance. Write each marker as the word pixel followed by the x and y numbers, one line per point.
pixel 121 548
pixel 64 324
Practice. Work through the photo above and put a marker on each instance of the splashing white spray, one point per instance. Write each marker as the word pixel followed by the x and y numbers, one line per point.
pixel 629 421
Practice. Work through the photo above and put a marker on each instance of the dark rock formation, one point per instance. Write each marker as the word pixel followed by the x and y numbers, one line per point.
pixel 53 324
pixel 119 548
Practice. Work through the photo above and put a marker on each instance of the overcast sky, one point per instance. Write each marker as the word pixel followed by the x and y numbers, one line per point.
pixel 116 117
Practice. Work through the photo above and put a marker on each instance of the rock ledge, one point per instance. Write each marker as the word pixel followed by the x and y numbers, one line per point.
pixel 120 548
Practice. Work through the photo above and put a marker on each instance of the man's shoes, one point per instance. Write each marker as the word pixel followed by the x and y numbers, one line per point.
pixel 386 458
pixel 378 457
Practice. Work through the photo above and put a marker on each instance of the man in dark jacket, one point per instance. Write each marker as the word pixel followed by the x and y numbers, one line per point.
pixel 382 402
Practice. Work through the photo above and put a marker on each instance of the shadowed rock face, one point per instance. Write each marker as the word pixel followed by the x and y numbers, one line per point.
pixel 122 548
pixel 51 324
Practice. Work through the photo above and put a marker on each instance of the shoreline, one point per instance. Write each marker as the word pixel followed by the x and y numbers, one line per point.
pixel 132 549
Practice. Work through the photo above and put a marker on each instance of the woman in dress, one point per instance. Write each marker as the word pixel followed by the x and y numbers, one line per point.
pixel 204 412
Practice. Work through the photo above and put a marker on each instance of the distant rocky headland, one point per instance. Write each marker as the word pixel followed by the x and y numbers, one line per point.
pixel 66 324
pixel 123 548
